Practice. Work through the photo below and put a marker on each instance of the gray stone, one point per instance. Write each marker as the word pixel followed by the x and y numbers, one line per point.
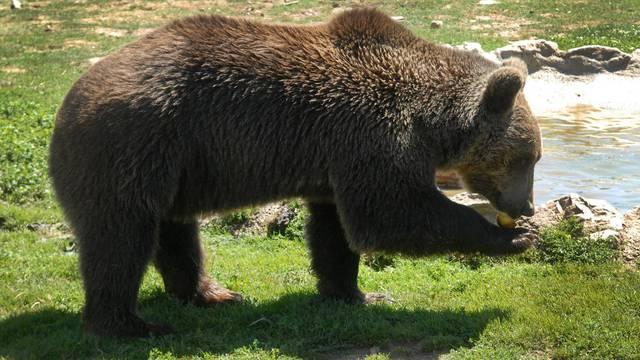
pixel 436 24
pixel 596 215
pixel 535 53
pixel 339 10
pixel 595 58
pixel 596 52
pixel 284 217
pixel 591 59
pixel 267 219
pixel 470 46
pixel 94 60
pixel 477 48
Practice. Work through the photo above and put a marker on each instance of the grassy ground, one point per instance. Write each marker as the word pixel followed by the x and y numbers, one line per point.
pixel 566 301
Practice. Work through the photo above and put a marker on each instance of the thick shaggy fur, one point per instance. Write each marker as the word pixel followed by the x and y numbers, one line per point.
pixel 212 113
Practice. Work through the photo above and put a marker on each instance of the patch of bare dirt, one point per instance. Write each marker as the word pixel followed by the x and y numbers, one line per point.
pixel 394 351
pixel 302 15
pixel 142 32
pixel 77 43
pixel 43 19
pixel 124 11
pixel 500 24
pixel 50 231
pixel 13 70
pixel 46 23
pixel 38 4
pixel 110 32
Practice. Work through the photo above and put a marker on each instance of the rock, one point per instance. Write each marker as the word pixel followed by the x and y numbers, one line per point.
pixel 630 238
pixel 398 18
pixel 589 59
pixel 15 4
pixel 477 48
pixel 634 64
pixel 436 24
pixel 50 231
pixel 268 219
pixel 535 53
pixel 281 222
pixel 339 10
pixel 94 60
pixel 599 218
pixel 142 31
pixel 470 46
pixel 487 2
pixel 595 58
pixel 116 33
pixel 596 52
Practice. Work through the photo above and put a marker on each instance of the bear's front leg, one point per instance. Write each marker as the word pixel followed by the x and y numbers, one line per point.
pixel 333 262
pixel 388 211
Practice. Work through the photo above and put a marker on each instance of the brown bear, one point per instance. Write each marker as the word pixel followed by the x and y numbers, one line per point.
pixel 355 115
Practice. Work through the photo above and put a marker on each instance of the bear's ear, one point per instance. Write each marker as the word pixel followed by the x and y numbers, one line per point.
pixel 503 86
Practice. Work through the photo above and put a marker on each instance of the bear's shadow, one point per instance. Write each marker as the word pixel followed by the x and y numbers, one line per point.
pixel 297 324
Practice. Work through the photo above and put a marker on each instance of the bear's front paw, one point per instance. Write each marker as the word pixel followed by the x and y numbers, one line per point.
pixel 512 241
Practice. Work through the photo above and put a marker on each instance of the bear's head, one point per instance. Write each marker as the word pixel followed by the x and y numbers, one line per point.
pixel 500 165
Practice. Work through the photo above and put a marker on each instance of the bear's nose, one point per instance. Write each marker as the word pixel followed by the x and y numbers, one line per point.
pixel 529 209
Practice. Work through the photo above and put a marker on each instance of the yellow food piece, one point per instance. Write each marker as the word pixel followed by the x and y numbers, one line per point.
pixel 505 221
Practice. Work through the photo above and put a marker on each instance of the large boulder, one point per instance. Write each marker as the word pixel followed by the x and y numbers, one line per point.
pixel 593 59
pixel 590 59
pixel 267 219
pixel 477 48
pixel 630 237
pixel 600 219
pixel 535 53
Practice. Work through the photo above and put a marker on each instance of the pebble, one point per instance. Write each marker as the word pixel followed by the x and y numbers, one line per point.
pixel 436 24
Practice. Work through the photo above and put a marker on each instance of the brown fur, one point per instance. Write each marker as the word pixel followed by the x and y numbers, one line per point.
pixel 212 113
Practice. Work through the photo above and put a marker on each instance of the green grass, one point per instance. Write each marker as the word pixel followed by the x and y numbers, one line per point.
pixel 505 308
pixel 568 242
pixel 567 300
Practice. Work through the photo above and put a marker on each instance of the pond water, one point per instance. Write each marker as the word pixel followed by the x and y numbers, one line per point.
pixel 591 151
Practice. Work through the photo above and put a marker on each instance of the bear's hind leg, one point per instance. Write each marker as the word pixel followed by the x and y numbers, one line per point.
pixel 179 259
pixel 113 259
pixel 333 262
